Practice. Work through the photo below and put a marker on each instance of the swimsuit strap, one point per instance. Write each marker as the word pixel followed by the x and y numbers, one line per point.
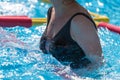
pixel 88 17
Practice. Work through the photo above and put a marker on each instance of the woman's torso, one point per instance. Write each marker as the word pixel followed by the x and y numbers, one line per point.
pixel 62 46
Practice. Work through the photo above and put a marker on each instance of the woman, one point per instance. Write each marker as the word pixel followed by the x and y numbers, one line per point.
pixel 71 35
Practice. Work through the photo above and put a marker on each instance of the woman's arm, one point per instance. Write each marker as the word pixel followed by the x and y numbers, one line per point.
pixel 85 34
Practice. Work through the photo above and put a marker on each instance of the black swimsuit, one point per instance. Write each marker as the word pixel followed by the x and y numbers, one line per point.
pixel 63 47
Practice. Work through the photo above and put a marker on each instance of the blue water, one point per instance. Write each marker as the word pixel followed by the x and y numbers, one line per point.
pixel 21 59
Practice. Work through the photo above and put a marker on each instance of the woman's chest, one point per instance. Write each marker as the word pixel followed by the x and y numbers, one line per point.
pixel 54 27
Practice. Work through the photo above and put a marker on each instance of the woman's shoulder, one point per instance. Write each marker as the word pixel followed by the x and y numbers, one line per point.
pixel 82 26
pixel 82 19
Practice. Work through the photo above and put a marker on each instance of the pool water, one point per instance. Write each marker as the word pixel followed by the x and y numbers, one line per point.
pixel 21 59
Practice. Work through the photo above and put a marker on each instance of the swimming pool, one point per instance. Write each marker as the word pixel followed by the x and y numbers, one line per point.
pixel 21 59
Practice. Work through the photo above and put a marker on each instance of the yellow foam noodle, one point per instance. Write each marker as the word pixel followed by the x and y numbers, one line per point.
pixel 46 1
pixel 38 21
pixel 99 18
